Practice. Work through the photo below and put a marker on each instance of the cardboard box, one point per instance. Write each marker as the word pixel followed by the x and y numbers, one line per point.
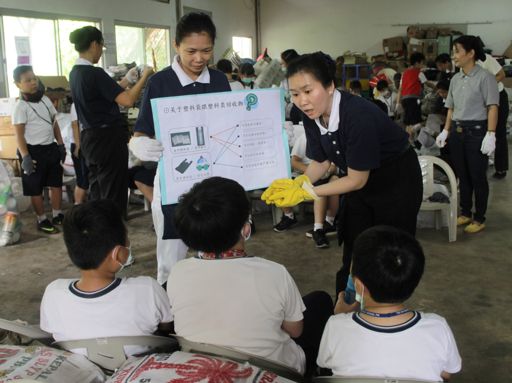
pixel 507 82
pixel 508 52
pixel 393 45
pixel 412 48
pixel 431 33
pixel 444 32
pixel 6 128
pixel 444 45
pixel 55 82
pixel 8 146
pixel 415 32
pixel 430 49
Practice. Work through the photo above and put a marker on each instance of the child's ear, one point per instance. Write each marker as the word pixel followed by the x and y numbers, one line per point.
pixel 359 285
pixel 116 255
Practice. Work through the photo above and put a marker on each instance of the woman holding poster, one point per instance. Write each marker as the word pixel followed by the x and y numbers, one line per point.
pixel 381 177
pixel 189 74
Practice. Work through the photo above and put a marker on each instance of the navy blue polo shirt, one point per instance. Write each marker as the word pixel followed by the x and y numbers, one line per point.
pixel 94 94
pixel 166 84
pixel 365 138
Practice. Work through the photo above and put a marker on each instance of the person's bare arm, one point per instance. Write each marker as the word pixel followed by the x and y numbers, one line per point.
pixel 57 134
pixel 492 118
pixel 500 75
pixel 354 180
pixel 316 170
pixel 128 97
pixel 76 135
pixel 446 376
pixel 294 329
pixel 298 165
pixel 448 121
pixel 19 129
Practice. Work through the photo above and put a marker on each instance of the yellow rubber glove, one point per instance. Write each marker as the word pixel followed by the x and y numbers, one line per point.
pixel 293 196
pixel 277 185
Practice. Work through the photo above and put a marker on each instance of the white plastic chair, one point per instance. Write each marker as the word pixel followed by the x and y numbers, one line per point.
pixel 279 369
pixel 340 379
pixel 427 169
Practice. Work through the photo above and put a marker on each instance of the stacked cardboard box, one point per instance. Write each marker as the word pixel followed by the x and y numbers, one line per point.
pixel 8 144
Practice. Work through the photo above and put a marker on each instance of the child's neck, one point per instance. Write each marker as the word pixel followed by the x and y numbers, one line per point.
pixel 386 308
pixel 94 280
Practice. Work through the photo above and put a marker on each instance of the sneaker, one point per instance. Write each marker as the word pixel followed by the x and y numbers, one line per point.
pixel 463 220
pixel 320 239
pixel 499 175
pixel 285 223
pixel 47 227
pixel 58 219
pixel 474 227
pixel 328 230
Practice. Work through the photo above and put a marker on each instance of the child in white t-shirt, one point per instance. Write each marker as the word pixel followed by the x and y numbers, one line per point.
pixel 227 297
pixel 99 304
pixel 37 130
pixel 385 339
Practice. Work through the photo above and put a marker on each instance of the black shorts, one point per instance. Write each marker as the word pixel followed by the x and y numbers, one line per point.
pixel 142 175
pixel 48 170
pixel 81 169
pixel 412 111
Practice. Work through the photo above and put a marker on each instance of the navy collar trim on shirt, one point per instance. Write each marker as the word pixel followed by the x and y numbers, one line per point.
pixel 94 294
pixel 387 329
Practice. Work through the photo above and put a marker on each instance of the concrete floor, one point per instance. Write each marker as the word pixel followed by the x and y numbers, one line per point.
pixel 468 282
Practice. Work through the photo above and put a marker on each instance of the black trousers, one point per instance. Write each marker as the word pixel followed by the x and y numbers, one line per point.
pixel 319 307
pixel 471 168
pixel 106 154
pixel 392 196
pixel 501 153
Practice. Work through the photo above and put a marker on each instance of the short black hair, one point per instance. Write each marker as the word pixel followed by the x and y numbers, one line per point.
pixel 91 231
pixel 355 84
pixel 382 84
pixel 211 215
pixel 289 55
pixel 416 58
pixel 443 58
pixel 443 84
pixel 469 42
pixel 389 262
pixel 195 22
pixel 318 64
pixel 83 37
pixel 247 69
pixel 225 66
pixel 19 70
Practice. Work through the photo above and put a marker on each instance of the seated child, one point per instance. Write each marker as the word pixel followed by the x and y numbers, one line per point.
pixel 387 96
pixel 227 297
pixel 40 156
pixel 386 339
pixel 99 304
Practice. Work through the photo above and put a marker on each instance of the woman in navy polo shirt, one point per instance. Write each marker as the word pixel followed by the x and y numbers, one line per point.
pixel 188 74
pixel 381 180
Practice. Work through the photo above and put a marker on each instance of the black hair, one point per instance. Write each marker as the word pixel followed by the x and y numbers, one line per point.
pixel 389 262
pixel 318 64
pixel 91 231
pixel 195 22
pixel 225 66
pixel 382 84
pixel 469 42
pixel 19 70
pixel 83 37
pixel 355 84
pixel 443 84
pixel 289 55
pixel 416 58
pixel 211 215
pixel 443 58
pixel 247 69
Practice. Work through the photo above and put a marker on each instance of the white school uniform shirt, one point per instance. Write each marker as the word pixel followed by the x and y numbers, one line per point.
pixel 492 66
pixel 126 307
pixel 390 103
pixel 236 85
pixel 239 303
pixel 422 348
pixel 38 119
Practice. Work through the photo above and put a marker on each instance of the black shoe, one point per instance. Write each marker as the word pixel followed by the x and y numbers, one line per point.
pixel 320 239
pixel 499 175
pixel 58 219
pixel 285 223
pixel 47 227
pixel 330 229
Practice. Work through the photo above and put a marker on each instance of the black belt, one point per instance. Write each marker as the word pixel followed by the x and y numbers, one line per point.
pixel 470 123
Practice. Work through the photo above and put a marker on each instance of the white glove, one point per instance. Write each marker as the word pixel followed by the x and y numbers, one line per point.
pixel 146 149
pixel 441 138
pixel 488 144
pixel 132 76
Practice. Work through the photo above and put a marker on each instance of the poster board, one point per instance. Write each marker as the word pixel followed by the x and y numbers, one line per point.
pixel 237 135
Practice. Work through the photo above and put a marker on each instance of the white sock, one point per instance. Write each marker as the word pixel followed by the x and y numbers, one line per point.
pixel 329 220
pixel 290 215
pixel 318 226
pixel 41 218
pixel 55 213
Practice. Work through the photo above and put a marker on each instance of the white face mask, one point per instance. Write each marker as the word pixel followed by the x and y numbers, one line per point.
pixel 360 298
pixel 123 265
pixel 246 237
pixel 386 94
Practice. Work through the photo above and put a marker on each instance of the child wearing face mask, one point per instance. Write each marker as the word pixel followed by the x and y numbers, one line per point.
pixel 247 76
pixel 100 304
pixel 227 296
pixel 385 338
pixel 387 97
